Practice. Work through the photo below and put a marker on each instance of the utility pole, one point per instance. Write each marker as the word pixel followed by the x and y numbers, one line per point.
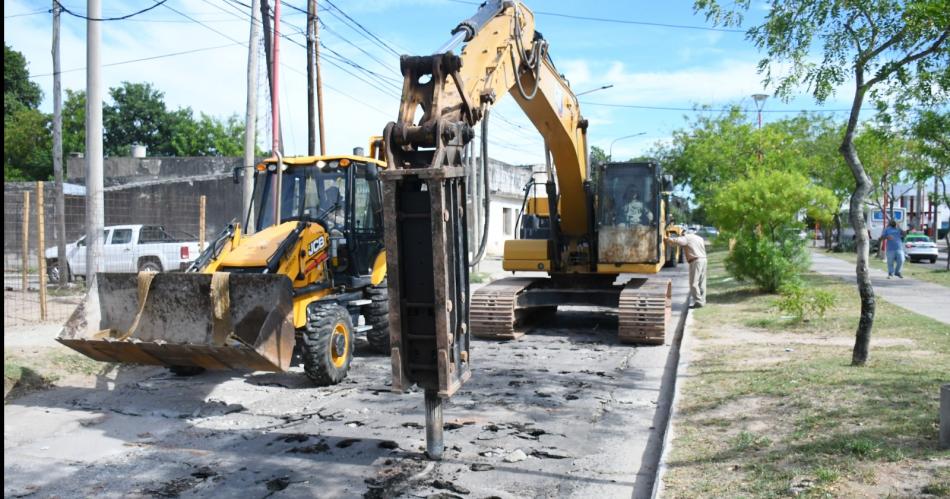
pixel 311 69
pixel 95 210
pixel 316 60
pixel 250 121
pixel 269 56
pixel 60 229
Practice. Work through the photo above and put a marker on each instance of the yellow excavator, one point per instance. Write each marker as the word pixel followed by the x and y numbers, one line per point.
pixel 314 267
pixel 583 234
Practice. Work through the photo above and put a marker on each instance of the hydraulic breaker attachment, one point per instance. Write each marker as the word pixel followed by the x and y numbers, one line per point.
pixel 215 321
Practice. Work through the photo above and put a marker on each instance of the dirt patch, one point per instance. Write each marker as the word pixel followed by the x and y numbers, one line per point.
pixel 905 479
pixel 737 335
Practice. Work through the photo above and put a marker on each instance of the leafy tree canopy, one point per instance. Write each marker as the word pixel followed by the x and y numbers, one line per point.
pixel 770 202
pixel 18 90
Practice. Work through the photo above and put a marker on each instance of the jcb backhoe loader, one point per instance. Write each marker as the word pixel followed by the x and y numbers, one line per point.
pixel 313 267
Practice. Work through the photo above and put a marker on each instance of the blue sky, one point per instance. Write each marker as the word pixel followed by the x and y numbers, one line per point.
pixel 653 66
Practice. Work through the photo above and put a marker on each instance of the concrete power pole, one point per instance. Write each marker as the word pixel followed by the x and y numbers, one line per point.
pixel 250 122
pixel 311 70
pixel 60 229
pixel 95 210
pixel 316 60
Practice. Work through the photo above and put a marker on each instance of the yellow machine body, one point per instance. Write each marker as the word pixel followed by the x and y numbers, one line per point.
pixel 240 309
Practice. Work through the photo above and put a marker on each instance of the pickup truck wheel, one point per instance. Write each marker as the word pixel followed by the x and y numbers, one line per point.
pixel 327 343
pixel 52 272
pixel 933 259
pixel 150 266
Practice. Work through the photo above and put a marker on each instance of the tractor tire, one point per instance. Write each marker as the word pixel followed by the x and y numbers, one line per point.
pixel 377 315
pixel 327 343
pixel 671 262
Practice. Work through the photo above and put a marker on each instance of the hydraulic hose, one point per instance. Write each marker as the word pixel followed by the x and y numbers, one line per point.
pixel 486 201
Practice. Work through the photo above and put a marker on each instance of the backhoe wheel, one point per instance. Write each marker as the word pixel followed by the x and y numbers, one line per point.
pixel 377 315
pixel 327 343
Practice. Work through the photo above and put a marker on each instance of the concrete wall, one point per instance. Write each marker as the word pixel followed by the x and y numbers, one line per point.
pixel 122 171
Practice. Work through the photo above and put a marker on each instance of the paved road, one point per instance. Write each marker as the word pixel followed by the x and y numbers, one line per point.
pixel 924 298
pixel 580 407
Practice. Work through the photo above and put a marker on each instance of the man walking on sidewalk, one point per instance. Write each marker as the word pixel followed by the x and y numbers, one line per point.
pixel 695 248
pixel 894 244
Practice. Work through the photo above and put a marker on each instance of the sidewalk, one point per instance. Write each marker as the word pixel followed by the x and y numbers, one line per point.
pixel 924 298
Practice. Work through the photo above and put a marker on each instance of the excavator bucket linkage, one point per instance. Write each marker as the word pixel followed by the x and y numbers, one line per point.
pixel 215 321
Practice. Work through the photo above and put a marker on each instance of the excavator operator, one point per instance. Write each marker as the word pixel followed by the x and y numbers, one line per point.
pixel 633 211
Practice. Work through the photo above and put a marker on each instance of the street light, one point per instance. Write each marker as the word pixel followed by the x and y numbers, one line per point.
pixel 610 155
pixel 759 103
pixel 604 87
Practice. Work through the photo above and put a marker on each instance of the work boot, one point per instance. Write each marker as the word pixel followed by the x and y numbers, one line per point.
pixel 899 275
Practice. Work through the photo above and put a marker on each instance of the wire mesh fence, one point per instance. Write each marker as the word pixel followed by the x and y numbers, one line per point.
pixel 152 233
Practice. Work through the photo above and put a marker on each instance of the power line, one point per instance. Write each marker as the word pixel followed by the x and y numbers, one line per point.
pixel 203 24
pixel 46 11
pixel 621 21
pixel 162 56
pixel 119 18
pixel 361 49
pixel 334 57
pixel 363 28
pixel 714 110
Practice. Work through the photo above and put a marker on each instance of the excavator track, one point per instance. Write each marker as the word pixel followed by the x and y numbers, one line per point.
pixel 645 310
pixel 492 314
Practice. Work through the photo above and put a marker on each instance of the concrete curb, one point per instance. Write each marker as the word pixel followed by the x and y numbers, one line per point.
pixel 681 350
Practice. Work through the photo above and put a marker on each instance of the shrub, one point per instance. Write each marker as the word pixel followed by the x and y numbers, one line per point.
pixel 801 302
pixel 767 264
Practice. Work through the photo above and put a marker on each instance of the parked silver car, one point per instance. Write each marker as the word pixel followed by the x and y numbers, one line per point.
pixel 919 247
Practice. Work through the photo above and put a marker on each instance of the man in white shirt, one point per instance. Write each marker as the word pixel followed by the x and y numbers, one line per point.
pixel 695 248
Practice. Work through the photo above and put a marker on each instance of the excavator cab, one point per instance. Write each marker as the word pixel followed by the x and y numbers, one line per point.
pixel 312 269
pixel 629 213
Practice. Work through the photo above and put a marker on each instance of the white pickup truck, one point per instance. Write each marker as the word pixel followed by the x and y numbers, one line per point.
pixel 128 248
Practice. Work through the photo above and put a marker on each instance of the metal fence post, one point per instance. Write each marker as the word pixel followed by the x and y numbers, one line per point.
pixel 26 239
pixel 201 223
pixel 41 247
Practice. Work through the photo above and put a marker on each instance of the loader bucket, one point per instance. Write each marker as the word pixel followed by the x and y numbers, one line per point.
pixel 215 321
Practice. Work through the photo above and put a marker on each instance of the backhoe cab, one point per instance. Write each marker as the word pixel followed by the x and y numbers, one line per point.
pixel 312 269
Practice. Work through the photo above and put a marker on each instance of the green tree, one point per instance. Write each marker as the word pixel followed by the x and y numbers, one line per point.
pixel 598 156
pixel 27 134
pixel 27 146
pixel 18 90
pixel 762 211
pixel 137 115
pixel 208 136
pixel 74 121
pixel 885 46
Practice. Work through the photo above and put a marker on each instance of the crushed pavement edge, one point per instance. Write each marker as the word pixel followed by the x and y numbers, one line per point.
pixel 681 349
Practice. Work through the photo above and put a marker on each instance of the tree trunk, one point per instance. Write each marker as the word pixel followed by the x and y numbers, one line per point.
pixel 862 187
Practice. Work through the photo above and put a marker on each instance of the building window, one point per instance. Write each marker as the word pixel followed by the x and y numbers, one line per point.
pixel 507 220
